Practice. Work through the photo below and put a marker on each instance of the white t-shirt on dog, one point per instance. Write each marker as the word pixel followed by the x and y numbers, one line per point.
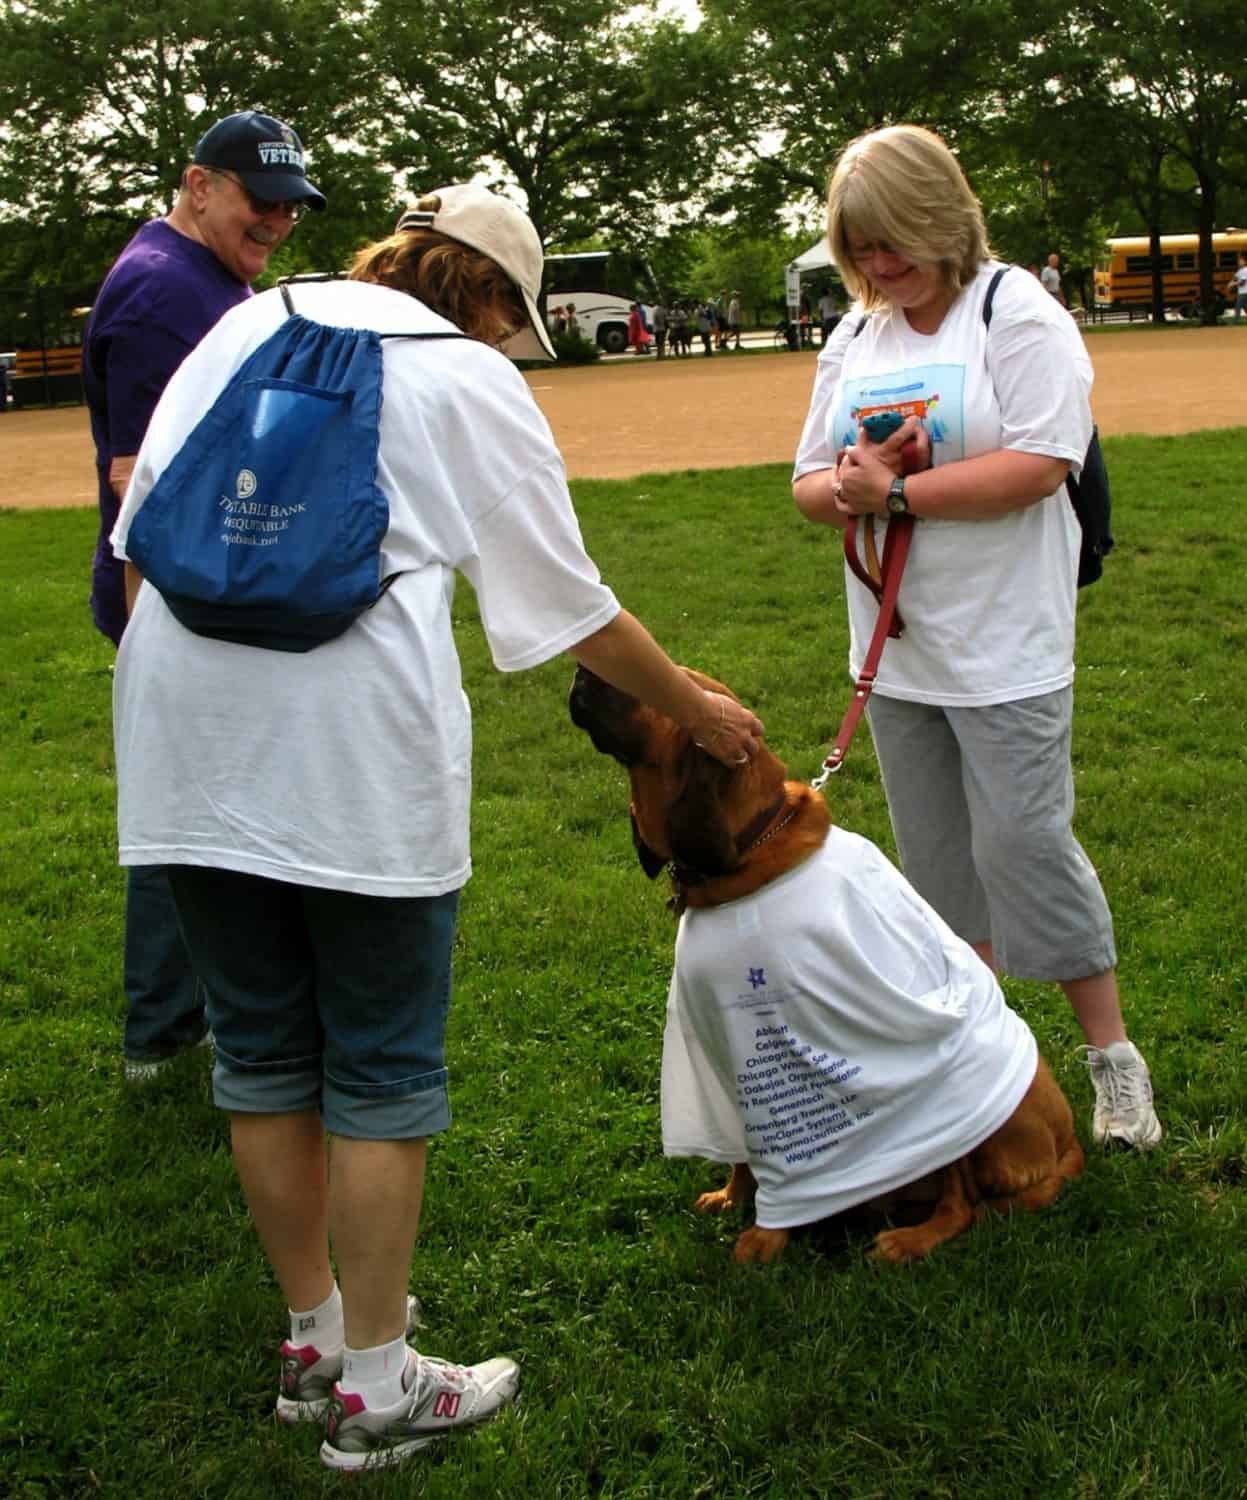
pixel 349 766
pixel 988 604
pixel 834 1033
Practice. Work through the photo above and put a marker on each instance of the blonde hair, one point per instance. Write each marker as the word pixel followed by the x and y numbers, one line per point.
pixel 902 185
pixel 466 287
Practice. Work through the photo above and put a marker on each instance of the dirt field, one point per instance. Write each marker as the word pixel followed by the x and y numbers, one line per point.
pixel 695 413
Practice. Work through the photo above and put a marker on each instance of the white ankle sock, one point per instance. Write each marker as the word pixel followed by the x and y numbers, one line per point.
pixel 376 1374
pixel 320 1326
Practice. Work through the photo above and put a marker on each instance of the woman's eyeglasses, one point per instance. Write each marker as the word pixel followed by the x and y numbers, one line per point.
pixel 290 208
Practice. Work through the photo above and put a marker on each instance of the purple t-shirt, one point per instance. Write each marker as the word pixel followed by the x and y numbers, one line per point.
pixel 164 292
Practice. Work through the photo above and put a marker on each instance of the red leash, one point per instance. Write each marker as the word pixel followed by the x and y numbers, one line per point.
pixel 889 623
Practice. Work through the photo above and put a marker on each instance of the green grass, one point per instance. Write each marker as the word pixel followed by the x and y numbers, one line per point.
pixel 1094 1350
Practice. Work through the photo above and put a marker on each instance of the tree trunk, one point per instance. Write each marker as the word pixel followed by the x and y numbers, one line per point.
pixel 1207 259
pixel 1158 276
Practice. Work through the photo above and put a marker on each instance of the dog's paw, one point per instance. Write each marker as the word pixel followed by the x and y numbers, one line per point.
pixel 760 1244
pixel 900 1246
pixel 719 1202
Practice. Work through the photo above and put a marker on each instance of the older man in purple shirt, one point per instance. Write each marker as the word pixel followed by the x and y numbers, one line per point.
pixel 239 200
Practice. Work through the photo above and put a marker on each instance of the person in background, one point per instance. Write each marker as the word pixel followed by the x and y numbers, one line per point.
pixel 240 197
pixel 1238 286
pixel 733 321
pixel 1050 278
pixel 325 816
pixel 704 318
pixel 638 334
pixel 660 328
pixel 828 316
pixel 972 708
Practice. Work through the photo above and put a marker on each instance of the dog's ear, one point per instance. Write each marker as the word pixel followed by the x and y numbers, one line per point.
pixel 699 837
pixel 650 862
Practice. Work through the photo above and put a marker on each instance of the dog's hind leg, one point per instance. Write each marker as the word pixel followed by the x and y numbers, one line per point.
pixel 954 1214
pixel 1039 1194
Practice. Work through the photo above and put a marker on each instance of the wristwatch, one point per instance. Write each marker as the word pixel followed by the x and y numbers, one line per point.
pixel 897 503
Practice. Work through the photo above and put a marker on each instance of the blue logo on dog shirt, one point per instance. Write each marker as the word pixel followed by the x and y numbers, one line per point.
pixel 757 977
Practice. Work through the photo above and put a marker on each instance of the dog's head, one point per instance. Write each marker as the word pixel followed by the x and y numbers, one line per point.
pixel 688 809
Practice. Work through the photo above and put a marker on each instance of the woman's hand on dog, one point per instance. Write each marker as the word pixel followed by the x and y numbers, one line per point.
pixel 624 654
pixel 727 730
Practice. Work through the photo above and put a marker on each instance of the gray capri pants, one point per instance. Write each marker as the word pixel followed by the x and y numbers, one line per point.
pixel 982 801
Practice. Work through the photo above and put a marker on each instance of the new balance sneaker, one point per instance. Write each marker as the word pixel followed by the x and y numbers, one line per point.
pixel 307 1376
pixel 1123 1097
pixel 439 1397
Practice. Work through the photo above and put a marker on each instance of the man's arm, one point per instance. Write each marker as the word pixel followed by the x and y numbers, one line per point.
pixel 133 579
pixel 119 472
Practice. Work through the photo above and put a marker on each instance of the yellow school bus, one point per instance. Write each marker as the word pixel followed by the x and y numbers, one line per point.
pixel 1123 279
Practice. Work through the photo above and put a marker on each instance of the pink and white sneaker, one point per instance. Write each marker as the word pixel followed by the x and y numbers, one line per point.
pixel 305 1383
pixel 438 1398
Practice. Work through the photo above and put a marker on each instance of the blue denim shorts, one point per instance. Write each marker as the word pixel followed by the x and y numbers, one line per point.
pixel 323 999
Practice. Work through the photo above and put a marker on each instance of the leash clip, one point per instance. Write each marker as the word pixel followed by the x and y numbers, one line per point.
pixel 830 766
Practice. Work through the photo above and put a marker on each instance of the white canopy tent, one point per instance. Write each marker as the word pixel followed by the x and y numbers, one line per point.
pixel 816 258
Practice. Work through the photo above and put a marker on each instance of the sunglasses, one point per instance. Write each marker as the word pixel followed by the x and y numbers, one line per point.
pixel 290 208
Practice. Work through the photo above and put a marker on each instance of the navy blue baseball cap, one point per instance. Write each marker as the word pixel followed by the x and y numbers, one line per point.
pixel 266 155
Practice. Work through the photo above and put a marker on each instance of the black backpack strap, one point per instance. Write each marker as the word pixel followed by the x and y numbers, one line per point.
pixel 991 296
pixel 286 282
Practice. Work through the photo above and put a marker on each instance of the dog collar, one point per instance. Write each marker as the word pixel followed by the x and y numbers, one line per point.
pixel 754 833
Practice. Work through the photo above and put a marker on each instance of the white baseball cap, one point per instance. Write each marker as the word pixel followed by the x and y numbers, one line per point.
pixel 501 230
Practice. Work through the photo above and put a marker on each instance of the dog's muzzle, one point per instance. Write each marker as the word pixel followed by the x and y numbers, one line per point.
pixel 607 716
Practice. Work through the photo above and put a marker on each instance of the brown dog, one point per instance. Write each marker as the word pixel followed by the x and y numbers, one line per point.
pixel 869 1037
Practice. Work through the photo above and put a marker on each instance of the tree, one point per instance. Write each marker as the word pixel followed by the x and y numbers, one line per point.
pixel 106 101
pixel 818 74
pixel 582 104
pixel 1174 68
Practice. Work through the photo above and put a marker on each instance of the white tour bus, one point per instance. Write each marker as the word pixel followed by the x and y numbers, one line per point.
pixel 602 285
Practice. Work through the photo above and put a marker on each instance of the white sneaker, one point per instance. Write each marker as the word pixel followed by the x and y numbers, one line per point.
pixel 305 1383
pixel 1123 1097
pixel 439 1397
pixel 140 1070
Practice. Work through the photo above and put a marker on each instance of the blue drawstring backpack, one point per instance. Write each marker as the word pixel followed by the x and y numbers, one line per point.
pixel 266 527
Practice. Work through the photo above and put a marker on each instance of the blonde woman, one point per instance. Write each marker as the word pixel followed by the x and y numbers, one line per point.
pixel 312 805
pixel 971 711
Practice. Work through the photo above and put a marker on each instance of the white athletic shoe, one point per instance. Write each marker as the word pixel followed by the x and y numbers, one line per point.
pixel 307 1376
pixel 1124 1115
pixel 438 1398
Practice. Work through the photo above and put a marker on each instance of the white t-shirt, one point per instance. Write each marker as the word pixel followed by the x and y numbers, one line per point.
pixel 832 1031
pixel 349 766
pixel 989 604
pixel 1050 280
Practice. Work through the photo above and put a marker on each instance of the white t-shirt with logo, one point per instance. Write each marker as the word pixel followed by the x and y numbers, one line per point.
pixel 349 766
pixel 834 1033
pixel 988 604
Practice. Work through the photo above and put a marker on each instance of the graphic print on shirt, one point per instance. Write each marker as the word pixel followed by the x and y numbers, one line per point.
pixel 935 394
pixel 796 1100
